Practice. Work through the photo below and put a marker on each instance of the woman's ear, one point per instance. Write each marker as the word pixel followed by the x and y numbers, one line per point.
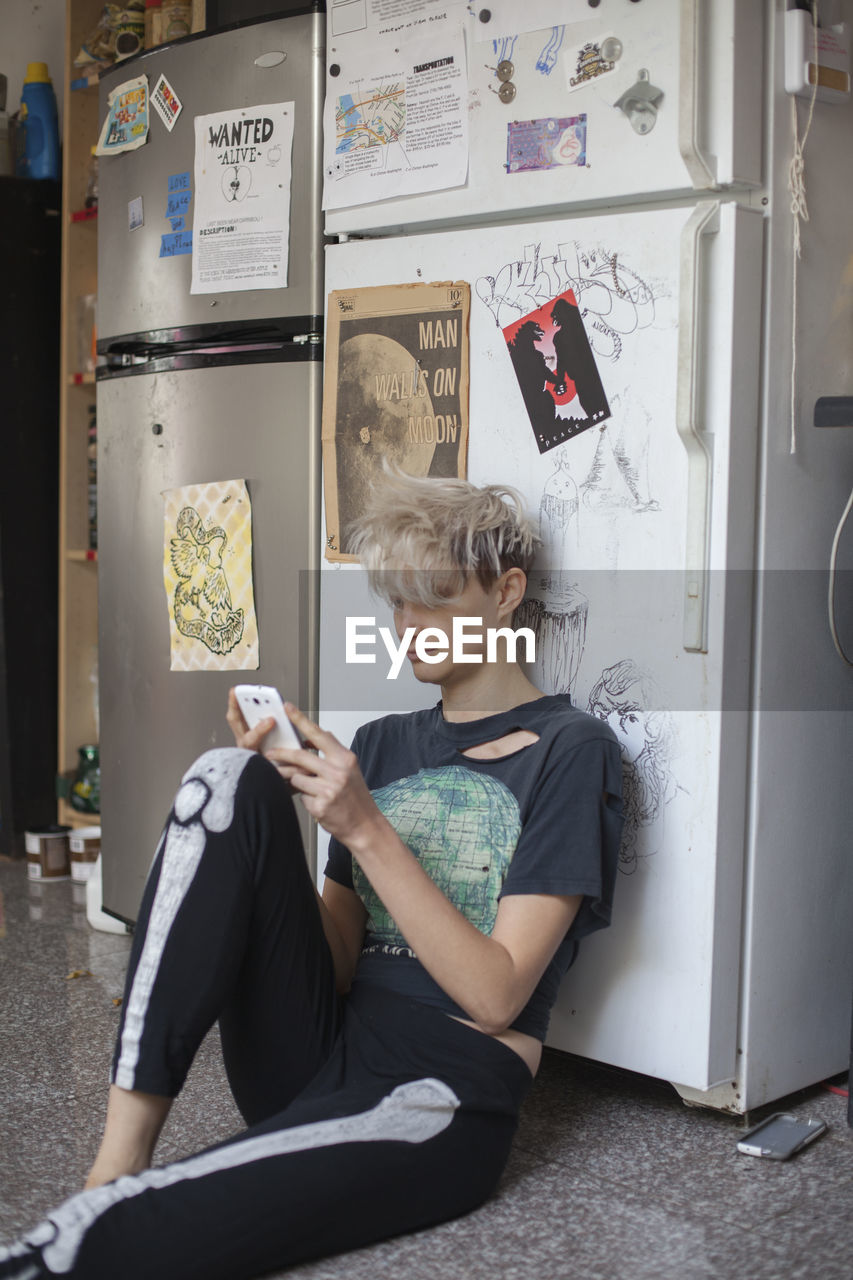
pixel 512 585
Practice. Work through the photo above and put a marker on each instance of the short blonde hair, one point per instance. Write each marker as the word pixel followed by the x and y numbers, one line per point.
pixel 423 537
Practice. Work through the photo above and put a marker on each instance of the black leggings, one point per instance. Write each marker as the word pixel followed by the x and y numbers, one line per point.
pixel 367 1117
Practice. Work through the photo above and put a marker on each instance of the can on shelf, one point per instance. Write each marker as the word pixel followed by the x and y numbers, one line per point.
pixel 85 845
pixel 47 853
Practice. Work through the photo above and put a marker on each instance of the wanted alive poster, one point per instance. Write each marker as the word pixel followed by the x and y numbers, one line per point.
pixel 241 223
pixel 396 387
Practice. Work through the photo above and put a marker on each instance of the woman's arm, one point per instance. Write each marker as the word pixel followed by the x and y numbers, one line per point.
pixel 341 910
pixel 490 977
pixel 344 917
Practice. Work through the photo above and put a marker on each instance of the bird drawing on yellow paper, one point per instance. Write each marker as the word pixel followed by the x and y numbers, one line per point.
pixel 203 608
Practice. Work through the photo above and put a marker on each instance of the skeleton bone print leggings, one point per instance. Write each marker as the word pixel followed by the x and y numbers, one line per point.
pixel 366 1117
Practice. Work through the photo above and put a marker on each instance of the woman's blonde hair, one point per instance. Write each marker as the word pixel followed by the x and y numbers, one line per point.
pixel 422 537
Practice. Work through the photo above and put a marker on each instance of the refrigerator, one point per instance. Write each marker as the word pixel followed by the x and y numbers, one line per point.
pixel 680 591
pixel 196 388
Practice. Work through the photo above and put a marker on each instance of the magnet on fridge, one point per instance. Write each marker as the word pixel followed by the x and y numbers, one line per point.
pixel 135 216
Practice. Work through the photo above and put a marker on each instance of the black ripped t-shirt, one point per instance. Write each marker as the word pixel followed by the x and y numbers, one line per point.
pixel 545 819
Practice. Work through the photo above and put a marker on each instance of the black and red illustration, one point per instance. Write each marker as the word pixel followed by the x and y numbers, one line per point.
pixel 556 372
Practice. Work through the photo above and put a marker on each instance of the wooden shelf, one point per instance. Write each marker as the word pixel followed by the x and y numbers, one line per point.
pixel 78 567
pixel 84 79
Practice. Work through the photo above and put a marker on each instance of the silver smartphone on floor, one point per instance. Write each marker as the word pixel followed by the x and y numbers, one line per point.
pixel 780 1135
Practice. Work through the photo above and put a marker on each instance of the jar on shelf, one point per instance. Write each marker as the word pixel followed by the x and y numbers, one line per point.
pixel 85 794
pixel 92 477
pixel 153 23
pixel 175 20
pixel 91 200
pixel 86 306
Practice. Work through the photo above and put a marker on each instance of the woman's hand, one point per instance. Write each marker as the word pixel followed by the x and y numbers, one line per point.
pixel 328 779
pixel 250 739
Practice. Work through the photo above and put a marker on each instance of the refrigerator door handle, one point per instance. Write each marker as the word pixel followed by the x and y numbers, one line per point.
pixel 704 221
pixel 701 167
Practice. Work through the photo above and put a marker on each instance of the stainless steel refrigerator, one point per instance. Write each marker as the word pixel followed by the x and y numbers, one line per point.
pixel 681 588
pixel 197 388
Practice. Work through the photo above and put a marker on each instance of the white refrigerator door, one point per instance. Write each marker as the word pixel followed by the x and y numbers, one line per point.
pixel 639 516
pixel 702 133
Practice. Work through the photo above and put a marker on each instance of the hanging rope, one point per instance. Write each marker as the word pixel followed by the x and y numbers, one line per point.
pixel 800 211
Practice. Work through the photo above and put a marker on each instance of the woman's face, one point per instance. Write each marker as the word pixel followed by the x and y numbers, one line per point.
pixel 476 603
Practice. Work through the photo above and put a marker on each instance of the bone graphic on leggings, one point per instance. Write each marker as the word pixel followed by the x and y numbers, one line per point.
pixel 413 1112
pixel 205 802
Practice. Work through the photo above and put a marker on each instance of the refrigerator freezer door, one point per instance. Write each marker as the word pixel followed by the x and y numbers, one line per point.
pixel 687 76
pixel 141 291
pixel 252 422
pixel 609 598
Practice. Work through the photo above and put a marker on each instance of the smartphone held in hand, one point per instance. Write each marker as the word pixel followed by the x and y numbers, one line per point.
pixel 257 702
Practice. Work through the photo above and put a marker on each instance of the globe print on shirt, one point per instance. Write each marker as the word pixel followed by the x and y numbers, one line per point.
pixel 462 827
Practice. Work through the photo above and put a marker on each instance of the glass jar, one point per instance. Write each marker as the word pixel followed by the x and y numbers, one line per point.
pixel 86 788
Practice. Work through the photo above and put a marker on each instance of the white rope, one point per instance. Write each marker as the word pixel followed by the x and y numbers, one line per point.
pixel 799 208
pixel 833 558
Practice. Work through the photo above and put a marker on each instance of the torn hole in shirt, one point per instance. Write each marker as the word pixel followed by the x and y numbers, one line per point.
pixel 504 746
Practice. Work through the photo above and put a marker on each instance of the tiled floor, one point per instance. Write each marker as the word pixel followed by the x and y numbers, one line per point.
pixel 611 1178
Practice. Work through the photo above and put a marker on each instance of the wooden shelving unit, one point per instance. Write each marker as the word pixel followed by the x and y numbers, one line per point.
pixel 78 568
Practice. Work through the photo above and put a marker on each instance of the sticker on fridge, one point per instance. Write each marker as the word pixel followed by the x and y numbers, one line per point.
pixel 207 574
pixel 396 119
pixel 592 60
pixel 166 103
pixel 396 388
pixel 556 371
pixel 126 125
pixel 545 144
pixel 241 212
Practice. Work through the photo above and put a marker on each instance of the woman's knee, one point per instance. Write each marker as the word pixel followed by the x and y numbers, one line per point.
pixel 209 787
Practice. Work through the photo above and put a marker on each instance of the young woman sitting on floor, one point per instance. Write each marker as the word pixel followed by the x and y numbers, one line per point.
pixel 378 1040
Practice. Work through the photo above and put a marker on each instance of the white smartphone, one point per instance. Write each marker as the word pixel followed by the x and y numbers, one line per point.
pixel 257 701
pixel 780 1135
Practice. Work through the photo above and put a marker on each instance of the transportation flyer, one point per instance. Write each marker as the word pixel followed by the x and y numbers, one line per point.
pixel 396 118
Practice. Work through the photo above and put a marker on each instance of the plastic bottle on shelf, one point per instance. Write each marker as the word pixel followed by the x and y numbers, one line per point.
pixel 176 20
pixel 6 166
pixel 38 127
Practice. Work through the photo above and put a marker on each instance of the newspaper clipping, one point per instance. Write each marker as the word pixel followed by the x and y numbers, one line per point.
pixel 396 387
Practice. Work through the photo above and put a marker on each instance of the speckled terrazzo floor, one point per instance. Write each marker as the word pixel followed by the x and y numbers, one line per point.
pixel 611 1178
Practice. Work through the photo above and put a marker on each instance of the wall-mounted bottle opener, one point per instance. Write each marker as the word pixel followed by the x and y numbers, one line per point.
pixel 640 103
